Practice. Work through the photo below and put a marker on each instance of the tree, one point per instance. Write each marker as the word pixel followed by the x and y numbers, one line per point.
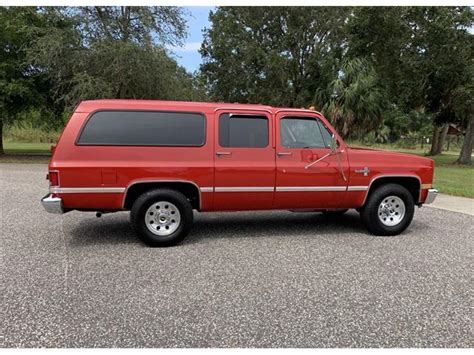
pixel 446 53
pixel 112 52
pixel 421 55
pixel 354 101
pixel 272 55
pixel 384 36
pixel 465 156
pixel 20 87
pixel 464 108
pixel 143 25
pixel 449 48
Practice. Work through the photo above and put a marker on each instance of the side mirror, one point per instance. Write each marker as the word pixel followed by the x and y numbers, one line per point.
pixel 333 144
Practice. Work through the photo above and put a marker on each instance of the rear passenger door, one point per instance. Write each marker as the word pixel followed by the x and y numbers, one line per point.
pixel 244 160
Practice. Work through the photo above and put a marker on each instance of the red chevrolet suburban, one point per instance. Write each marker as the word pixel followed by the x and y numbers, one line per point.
pixel 161 160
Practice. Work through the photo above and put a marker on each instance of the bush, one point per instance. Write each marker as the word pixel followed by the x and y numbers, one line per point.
pixel 25 132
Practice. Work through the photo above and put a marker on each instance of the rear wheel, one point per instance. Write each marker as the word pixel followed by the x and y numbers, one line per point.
pixel 388 210
pixel 161 217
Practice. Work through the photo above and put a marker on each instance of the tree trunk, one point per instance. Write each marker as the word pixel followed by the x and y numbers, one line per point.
pixel 467 144
pixel 439 137
pixel 435 140
pixel 442 138
pixel 1 138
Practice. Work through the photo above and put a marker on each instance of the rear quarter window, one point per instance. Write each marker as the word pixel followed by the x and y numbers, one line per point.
pixel 144 128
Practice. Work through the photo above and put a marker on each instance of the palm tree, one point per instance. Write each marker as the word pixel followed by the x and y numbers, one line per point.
pixel 354 101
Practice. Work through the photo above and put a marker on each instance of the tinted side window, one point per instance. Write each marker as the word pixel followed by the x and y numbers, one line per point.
pixel 243 131
pixel 302 132
pixel 144 128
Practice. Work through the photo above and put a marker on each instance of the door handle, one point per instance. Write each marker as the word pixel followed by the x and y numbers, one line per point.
pixel 223 153
pixel 284 154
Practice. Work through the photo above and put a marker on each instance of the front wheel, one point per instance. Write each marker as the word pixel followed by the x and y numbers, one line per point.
pixel 161 217
pixel 388 210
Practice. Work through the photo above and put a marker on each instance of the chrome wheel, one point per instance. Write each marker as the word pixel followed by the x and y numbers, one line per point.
pixel 391 211
pixel 162 218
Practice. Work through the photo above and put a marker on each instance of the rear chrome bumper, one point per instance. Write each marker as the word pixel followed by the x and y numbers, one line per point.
pixel 52 204
pixel 432 193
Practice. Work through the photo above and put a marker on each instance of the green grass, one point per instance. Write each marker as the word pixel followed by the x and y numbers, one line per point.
pixel 449 178
pixel 454 181
pixel 17 152
pixel 27 148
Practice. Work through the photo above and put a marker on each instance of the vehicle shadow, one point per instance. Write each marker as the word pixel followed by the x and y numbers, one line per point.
pixel 109 229
pixel 281 224
pixel 116 229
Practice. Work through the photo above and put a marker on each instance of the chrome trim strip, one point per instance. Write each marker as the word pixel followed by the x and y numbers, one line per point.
pixel 85 190
pixel 73 190
pixel 245 189
pixel 357 188
pixel 162 181
pixel 310 188
pixel 389 175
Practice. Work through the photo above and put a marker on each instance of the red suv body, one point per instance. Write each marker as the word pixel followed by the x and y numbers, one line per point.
pixel 112 154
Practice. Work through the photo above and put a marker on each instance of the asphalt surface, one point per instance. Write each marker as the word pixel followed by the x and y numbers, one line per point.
pixel 270 279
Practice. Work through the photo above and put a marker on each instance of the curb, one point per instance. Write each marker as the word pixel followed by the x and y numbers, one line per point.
pixel 453 203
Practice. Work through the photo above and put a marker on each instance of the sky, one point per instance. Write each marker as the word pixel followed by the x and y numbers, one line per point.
pixel 188 55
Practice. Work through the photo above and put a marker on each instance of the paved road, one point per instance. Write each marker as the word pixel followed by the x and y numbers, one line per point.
pixel 240 280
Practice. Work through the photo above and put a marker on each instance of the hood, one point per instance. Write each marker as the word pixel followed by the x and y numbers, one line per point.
pixel 393 156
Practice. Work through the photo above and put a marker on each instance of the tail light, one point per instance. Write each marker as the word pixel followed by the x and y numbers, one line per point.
pixel 53 178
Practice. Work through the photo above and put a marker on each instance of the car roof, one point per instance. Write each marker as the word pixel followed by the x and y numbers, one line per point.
pixel 130 104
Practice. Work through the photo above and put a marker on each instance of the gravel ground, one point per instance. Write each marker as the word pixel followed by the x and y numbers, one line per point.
pixel 270 279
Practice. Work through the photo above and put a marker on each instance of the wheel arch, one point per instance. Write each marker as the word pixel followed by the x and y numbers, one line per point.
pixel 188 188
pixel 411 182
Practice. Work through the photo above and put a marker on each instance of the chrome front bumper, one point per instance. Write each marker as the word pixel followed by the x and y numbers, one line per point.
pixel 52 204
pixel 432 193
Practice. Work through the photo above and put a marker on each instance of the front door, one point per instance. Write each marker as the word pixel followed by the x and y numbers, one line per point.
pixel 300 140
pixel 244 160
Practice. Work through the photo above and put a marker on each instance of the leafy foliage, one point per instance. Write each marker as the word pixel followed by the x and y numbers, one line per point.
pixel 422 55
pixel 114 54
pixel 271 55
pixel 354 101
pixel 144 26
pixel 18 87
pixel 368 68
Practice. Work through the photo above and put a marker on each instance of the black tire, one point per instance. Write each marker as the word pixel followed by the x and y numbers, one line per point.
pixel 335 213
pixel 370 211
pixel 140 207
